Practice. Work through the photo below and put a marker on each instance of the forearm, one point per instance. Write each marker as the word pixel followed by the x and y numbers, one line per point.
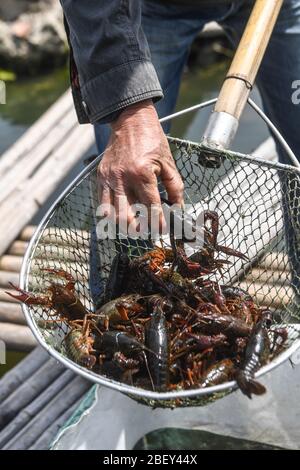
pixel 111 54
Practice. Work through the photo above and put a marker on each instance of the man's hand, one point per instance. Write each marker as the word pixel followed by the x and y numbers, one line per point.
pixel 138 152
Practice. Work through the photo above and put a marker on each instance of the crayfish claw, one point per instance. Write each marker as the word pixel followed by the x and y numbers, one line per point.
pixel 63 274
pixel 249 387
pixel 60 273
pixel 25 297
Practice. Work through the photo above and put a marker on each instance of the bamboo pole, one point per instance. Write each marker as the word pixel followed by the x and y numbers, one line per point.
pixel 30 162
pixel 250 52
pixel 17 337
pixel 22 371
pixel 275 261
pixel 4 297
pixel 29 390
pixel 70 267
pixel 42 184
pixel 11 313
pixel 10 263
pixel 36 133
pixel 27 232
pixel 62 252
pixel 39 286
pixel 35 407
pixel 59 405
pixel 18 248
pixel 266 295
pixel 270 277
pixel 37 282
pixel 66 236
pixel 8 276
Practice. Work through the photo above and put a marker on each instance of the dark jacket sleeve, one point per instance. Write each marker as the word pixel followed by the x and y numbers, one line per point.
pixel 111 66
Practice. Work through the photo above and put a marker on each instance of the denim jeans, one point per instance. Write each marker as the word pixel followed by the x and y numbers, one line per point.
pixel 170 31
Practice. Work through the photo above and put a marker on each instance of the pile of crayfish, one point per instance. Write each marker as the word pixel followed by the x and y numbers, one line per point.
pixel 163 324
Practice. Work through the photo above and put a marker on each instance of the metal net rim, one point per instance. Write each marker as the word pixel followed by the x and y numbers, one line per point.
pixel 102 380
pixel 230 154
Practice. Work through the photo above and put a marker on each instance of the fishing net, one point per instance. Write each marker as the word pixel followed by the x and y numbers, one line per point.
pixel 259 214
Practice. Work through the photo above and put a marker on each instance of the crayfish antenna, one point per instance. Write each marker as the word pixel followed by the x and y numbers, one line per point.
pixel 27 297
pixel 63 274
pixel 149 350
pixel 148 370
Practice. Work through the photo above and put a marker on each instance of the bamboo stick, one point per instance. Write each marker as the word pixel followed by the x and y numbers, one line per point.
pixel 4 297
pixel 59 405
pixel 29 390
pixel 250 52
pixel 62 248
pixel 57 246
pixel 36 133
pixel 42 184
pixel 8 276
pixel 18 248
pixel 12 313
pixel 17 337
pixel 269 276
pixel 70 267
pixel 269 295
pixel 275 261
pixel 79 270
pixel 37 280
pixel 63 252
pixel 10 263
pixel 30 162
pixel 22 371
pixel 35 407
pixel 27 232
pixel 66 236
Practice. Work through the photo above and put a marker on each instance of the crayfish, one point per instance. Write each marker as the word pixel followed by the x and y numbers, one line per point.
pixel 164 321
pixel 60 298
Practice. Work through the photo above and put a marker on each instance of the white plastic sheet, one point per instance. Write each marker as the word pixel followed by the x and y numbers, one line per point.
pixel 114 421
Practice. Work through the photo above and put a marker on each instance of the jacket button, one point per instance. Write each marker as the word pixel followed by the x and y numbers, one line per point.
pixel 85 107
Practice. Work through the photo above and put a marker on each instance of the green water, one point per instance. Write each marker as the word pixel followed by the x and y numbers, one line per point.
pixel 12 359
pixel 26 100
